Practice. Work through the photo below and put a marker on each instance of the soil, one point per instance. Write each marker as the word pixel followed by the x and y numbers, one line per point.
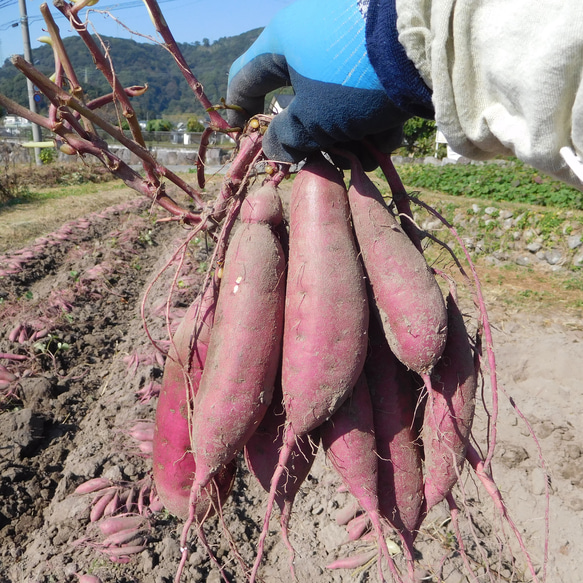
pixel 88 373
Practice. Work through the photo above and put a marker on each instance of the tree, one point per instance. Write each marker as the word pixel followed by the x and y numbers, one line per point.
pixel 419 136
pixel 159 125
pixel 194 125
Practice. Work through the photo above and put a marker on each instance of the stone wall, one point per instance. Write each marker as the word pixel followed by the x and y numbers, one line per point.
pixel 165 156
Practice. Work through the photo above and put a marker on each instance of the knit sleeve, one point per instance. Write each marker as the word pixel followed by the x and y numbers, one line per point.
pixel 397 73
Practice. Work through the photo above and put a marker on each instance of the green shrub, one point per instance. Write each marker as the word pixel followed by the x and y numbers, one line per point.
pixel 418 137
pixel 11 186
pixel 159 125
pixel 47 155
pixel 193 125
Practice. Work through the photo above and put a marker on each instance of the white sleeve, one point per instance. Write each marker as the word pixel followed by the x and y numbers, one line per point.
pixel 506 75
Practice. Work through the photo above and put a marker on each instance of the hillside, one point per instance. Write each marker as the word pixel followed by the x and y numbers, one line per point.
pixel 139 63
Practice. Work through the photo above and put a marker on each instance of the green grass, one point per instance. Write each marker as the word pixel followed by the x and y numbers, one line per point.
pixel 513 183
pixel 40 195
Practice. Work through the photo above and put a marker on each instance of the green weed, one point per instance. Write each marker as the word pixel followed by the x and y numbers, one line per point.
pixel 513 183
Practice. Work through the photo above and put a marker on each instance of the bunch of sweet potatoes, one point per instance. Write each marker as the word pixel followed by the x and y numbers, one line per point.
pixel 336 334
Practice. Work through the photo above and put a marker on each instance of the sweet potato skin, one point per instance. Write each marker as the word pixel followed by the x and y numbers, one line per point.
pixel 326 321
pixel 262 205
pixel 407 297
pixel 262 454
pixel 449 410
pixel 243 355
pixel 323 354
pixel 173 462
pixel 393 399
pixel 349 442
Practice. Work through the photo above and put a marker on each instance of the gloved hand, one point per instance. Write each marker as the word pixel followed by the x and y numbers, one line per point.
pixel 320 48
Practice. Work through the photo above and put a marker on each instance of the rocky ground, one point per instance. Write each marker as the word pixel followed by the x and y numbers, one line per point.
pixel 86 373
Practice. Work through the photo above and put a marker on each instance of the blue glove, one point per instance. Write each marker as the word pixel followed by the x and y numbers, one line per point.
pixel 321 48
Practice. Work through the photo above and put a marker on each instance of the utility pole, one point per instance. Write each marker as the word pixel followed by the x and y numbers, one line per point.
pixel 36 133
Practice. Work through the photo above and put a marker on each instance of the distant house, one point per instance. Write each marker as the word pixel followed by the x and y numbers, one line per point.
pixel 15 125
pixel 15 121
pixel 279 103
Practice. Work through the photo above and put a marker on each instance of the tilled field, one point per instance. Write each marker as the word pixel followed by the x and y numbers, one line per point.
pixel 82 374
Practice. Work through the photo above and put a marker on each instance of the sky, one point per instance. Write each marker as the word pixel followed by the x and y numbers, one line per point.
pixel 189 20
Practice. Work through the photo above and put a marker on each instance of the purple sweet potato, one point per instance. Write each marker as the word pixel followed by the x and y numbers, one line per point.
pixel 326 312
pixel 244 351
pixel 262 454
pixel 400 470
pixel 173 462
pixel 449 410
pixel 349 442
pixel 326 321
pixel 407 297
pixel 348 438
pixel 262 205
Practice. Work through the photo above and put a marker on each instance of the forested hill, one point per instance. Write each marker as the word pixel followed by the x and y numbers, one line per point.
pixel 139 63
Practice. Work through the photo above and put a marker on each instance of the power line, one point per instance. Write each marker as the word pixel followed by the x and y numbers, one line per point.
pixel 109 8
pixel 6 3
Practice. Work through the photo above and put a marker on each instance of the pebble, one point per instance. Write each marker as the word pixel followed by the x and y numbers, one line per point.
pixel 533 247
pixel 512 455
pixel 317 510
pixel 538 479
pixel 506 214
pixel 529 234
pixel 574 241
pixel 432 225
pixel 214 576
pixel 554 257
pixel 491 210
pixel 573 451
pixel 523 261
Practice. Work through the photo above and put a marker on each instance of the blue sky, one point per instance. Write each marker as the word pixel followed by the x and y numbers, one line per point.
pixel 189 20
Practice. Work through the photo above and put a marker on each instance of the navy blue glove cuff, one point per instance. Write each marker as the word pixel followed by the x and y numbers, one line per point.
pixel 398 75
